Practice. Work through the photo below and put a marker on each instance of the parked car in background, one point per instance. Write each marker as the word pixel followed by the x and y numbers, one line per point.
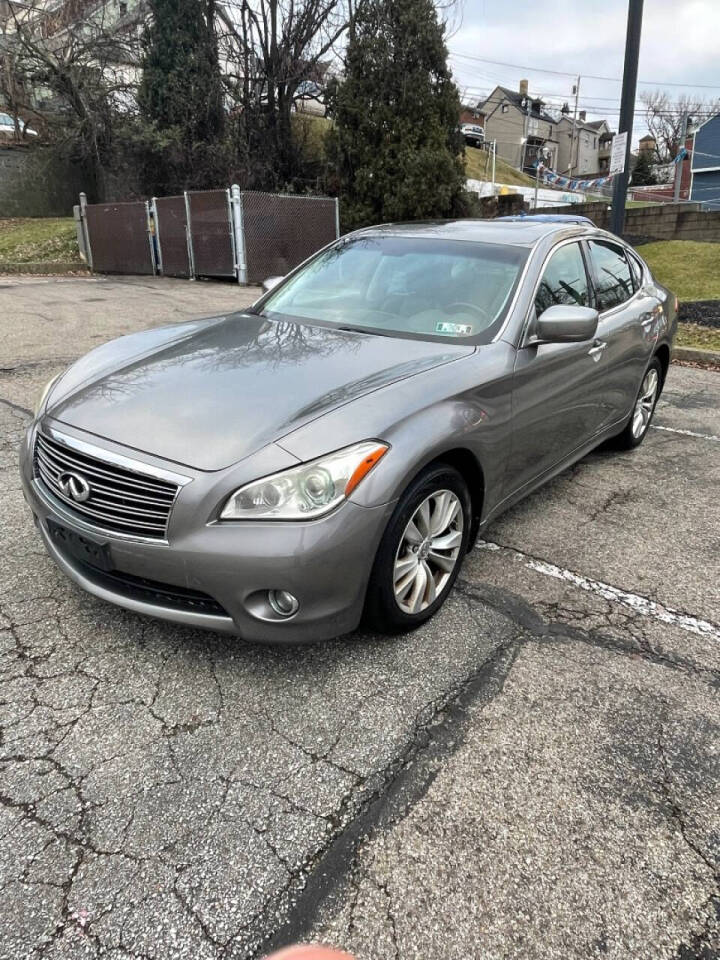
pixel 335 450
pixel 7 127
pixel 473 134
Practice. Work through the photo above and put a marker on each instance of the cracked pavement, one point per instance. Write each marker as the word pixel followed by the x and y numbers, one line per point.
pixel 535 773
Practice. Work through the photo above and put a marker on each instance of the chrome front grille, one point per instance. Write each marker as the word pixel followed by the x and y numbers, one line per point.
pixel 120 500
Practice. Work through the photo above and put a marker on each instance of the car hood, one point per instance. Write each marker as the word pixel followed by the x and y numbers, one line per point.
pixel 209 397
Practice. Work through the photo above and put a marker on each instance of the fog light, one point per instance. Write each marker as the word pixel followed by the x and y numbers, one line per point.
pixel 283 603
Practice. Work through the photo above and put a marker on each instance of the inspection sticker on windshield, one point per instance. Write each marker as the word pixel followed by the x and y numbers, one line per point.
pixel 455 329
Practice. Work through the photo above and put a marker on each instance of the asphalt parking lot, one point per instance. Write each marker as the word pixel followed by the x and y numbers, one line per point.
pixel 535 773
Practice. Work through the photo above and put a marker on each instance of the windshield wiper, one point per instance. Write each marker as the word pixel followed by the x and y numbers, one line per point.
pixel 371 331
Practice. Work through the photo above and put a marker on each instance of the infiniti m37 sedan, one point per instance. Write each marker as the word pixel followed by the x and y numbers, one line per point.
pixel 333 452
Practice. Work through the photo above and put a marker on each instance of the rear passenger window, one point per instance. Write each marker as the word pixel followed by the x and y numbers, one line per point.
pixel 613 280
pixel 637 271
pixel 564 280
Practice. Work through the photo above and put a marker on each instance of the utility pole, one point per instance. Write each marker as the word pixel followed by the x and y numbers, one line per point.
pixel 526 126
pixel 679 163
pixel 627 111
pixel 574 129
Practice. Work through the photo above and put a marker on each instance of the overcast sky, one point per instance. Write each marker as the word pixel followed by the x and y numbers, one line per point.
pixel 680 44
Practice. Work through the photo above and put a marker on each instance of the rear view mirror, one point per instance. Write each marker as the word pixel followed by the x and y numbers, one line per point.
pixel 270 283
pixel 565 324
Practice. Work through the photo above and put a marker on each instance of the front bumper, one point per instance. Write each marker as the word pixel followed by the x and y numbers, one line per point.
pixel 325 563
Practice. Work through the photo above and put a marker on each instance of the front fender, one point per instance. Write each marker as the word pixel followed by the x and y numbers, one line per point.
pixel 465 405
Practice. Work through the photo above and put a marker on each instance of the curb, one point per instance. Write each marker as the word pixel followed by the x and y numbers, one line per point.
pixel 49 268
pixel 706 358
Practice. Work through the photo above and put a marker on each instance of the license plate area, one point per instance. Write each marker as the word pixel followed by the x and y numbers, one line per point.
pixel 82 548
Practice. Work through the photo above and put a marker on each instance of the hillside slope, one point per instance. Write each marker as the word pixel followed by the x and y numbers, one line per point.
pixel 478 166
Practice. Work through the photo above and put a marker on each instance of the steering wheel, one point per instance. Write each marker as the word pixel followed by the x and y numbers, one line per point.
pixel 472 307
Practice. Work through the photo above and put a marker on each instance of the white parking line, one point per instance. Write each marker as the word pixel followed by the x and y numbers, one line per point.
pixel 640 605
pixel 686 433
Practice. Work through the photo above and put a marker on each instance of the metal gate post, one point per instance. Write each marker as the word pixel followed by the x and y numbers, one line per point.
pixel 188 234
pixel 158 245
pixel 153 258
pixel 83 217
pixel 80 232
pixel 337 218
pixel 238 230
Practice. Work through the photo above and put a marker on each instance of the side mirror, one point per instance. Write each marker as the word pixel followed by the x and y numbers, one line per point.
pixel 565 324
pixel 270 283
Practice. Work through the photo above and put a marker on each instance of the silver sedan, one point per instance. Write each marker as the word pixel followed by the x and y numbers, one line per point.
pixel 333 452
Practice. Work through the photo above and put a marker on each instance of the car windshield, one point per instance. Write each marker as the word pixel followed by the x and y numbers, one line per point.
pixel 424 288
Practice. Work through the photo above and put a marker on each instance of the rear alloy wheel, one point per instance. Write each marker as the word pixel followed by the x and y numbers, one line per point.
pixel 645 403
pixel 637 426
pixel 421 551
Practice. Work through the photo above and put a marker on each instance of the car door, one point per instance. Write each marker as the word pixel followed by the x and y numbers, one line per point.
pixel 555 387
pixel 627 328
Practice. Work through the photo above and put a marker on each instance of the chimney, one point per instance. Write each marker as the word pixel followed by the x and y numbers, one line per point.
pixel 523 88
pixel 581 116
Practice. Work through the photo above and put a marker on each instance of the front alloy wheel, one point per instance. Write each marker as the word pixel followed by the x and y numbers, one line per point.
pixel 428 551
pixel 421 551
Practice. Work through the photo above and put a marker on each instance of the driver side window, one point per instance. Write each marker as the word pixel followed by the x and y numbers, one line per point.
pixel 564 280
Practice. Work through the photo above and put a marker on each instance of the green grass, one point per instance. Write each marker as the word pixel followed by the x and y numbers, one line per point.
pixel 701 338
pixel 478 166
pixel 630 204
pixel 689 268
pixel 48 240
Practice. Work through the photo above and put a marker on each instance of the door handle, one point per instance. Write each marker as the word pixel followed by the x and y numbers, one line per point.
pixel 596 350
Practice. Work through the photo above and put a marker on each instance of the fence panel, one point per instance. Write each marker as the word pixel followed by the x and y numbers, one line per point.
pixel 211 233
pixel 171 227
pixel 280 231
pixel 119 237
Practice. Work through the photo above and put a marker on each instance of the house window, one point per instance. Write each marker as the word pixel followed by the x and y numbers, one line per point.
pixel 549 131
pixel 504 108
pixel 594 143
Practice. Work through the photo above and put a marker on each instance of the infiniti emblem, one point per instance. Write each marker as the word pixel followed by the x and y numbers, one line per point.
pixel 75 486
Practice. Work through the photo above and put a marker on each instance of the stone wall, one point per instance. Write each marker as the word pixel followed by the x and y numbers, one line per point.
pixel 670 221
pixel 36 182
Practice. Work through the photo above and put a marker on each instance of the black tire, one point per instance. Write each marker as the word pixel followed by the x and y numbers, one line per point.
pixel 382 612
pixel 628 439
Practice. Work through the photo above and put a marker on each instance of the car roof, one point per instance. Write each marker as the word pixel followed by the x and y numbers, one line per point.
pixel 523 232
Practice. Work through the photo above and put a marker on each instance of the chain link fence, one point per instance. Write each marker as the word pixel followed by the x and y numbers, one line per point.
pixel 281 231
pixel 247 236
pixel 212 237
pixel 171 236
pixel 118 237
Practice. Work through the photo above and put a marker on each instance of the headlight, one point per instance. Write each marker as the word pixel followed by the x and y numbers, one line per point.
pixel 307 491
pixel 40 405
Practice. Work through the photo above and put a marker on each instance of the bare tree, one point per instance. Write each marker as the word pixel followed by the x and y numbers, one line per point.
pixel 275 49
pixel 68 70
pixel 664 116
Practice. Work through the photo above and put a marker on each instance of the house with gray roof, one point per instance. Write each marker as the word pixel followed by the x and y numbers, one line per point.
pixel 583 146
pixel 522 127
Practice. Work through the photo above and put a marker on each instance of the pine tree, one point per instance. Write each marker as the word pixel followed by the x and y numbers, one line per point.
pixel 180 95
pixel 642 173
pixel 395 147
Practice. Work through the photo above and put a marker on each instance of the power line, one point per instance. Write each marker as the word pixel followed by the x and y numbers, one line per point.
pixel 585 76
